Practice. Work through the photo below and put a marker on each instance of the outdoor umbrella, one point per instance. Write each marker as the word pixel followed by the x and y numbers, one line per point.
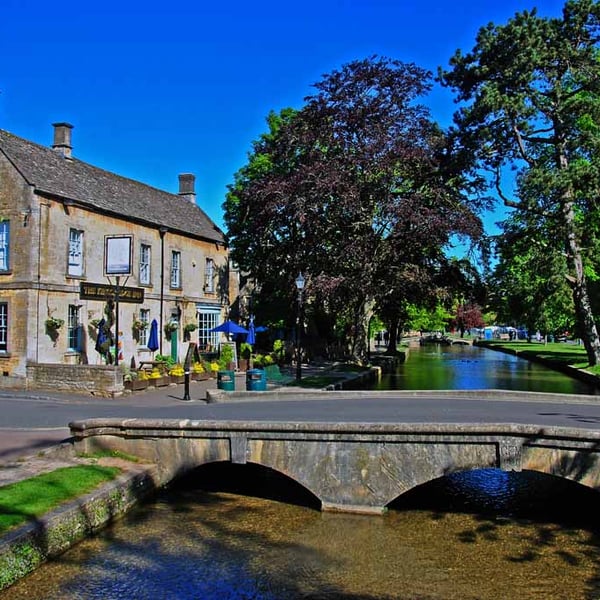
pixel 101 338
pixel 153 337
pixel 229 327
pixel 251 337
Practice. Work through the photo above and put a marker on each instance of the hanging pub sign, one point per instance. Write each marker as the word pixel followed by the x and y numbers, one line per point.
pixel 99 291
pixel 118 254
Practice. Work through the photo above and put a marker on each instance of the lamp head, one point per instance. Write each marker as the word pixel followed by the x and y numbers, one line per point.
pixel 300 282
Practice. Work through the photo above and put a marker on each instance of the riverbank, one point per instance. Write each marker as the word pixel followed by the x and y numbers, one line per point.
pixel 570 359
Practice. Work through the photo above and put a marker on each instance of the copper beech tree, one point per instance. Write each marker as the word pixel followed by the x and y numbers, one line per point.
pixel 360 191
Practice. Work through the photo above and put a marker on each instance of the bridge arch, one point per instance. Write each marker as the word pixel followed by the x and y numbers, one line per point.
pixel 249 479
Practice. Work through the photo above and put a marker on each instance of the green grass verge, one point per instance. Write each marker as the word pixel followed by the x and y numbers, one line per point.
pixel 573 355
pixel 32 498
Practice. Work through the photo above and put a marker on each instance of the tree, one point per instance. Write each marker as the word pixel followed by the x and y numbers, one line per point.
pixel 358 191
pixel 531 94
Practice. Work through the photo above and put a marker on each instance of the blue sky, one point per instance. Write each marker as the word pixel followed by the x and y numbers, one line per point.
pixel 158 89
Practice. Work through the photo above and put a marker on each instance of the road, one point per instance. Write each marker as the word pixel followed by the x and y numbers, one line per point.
pixel 32 421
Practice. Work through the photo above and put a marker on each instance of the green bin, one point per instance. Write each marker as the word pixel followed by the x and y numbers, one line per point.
pixel 226 381
pixel 256 380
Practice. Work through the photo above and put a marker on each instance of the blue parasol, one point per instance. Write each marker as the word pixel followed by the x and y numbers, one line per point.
pixel 101 337
pixel 153 337
pixel 251 337
pixel 229 327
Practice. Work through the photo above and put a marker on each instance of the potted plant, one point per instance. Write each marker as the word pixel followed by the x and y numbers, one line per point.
pixel 137 327
pixel 214 368
pixel 187 330
pixel 245 356
pixel 226 358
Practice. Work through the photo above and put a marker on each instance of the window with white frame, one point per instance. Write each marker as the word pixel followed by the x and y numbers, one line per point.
pixel 3 327
pixel 209 275
pixel 208 318
pixel 175 269
pixel 145 256
pixel 75 266
pixel 4 245
pixel 73 329
pixel 143 333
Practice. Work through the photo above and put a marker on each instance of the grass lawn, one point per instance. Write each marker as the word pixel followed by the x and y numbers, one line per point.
pixel 32 498
pixel 573 355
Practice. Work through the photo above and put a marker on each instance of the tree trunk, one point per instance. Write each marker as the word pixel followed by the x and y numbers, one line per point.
pixel 393 335
pixel 583 308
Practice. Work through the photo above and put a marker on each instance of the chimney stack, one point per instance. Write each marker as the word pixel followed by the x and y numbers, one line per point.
pixel 187 183
pixel 62 139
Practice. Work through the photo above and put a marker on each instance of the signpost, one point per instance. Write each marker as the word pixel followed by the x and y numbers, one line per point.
pixel 118 255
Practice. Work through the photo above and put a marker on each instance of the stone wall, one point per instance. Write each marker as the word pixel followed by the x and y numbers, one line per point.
pixel 99 380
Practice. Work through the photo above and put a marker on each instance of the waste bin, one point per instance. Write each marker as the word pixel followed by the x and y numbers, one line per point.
pixel 226 381
pixel 256 380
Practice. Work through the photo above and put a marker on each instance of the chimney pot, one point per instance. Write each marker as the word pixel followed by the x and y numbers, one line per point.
pixel 187 182
pixel 62 139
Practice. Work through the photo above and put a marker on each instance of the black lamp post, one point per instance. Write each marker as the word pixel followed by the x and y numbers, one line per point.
pixel 300 287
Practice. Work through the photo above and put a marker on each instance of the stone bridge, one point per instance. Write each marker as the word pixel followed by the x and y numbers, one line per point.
pixel 349 467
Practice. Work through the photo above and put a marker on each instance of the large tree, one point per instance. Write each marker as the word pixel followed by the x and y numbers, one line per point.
pixel 531 100
pixel 358 191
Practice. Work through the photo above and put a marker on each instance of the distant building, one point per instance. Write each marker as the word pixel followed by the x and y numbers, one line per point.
pixel 58 216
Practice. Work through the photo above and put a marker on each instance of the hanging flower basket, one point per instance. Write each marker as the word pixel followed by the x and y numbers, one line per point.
pixel 169 328
pixel 54 324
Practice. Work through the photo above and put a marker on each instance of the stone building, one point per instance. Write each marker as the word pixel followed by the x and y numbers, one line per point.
pixel 71 234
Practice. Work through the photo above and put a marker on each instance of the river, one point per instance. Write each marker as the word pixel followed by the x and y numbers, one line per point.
pixel 243 532
pixel 465 367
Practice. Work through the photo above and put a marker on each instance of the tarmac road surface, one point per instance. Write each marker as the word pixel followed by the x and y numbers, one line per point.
pixel 31 422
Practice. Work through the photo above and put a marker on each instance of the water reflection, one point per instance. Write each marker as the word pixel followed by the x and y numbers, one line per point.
pixel 458 367
pixel 453 538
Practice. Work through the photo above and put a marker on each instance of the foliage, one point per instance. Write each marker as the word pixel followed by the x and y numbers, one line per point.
pixel 245 350
pixel 177 370
pixel 468 316
pixel 167 359
pixel 530 96
pixel 358 191
pixel 423 319
pixel 225 356
pixel 279 351
pixel 32 498
pixel 169 328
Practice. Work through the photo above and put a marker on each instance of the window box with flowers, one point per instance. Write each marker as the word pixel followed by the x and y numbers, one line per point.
pixel 177 374
pixel 199 373
pixel 157 379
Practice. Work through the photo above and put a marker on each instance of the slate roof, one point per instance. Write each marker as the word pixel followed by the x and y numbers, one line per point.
pixel 52 174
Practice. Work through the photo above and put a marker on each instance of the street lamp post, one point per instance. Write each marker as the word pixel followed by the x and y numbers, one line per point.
pixel 300 287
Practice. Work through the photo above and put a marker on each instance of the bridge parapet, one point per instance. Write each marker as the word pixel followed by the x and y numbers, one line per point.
pixel 348 466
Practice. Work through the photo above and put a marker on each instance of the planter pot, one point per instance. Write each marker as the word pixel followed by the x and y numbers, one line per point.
pixel 244 364
pixel 200 376
pixel 136 384
pixel 177 378
pixel 160 381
